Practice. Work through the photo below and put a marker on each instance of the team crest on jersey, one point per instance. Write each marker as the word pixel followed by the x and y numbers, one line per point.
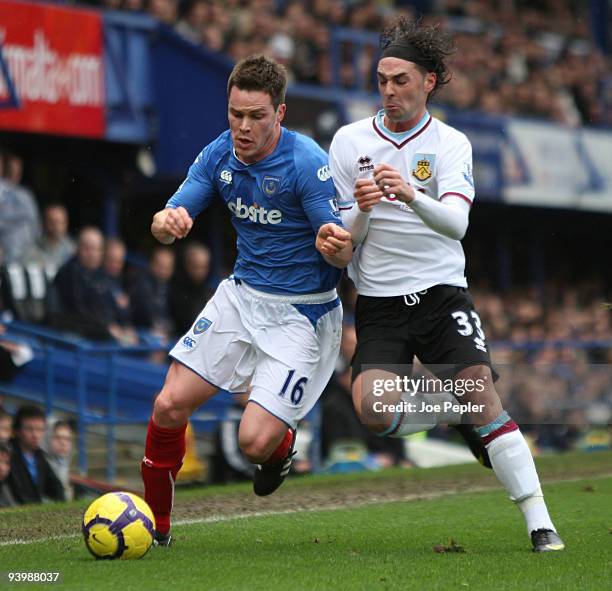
pixel 422 166
pixel 202 325
pixel 270 185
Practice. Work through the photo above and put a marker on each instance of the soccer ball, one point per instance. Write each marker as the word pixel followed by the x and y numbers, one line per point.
pixel 118 525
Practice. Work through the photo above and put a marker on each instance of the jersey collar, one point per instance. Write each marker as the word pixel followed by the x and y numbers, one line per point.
pixel 399 140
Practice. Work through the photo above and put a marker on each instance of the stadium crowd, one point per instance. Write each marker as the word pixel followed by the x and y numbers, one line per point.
pixel 554 355
pixel 85 285
pixel 513 58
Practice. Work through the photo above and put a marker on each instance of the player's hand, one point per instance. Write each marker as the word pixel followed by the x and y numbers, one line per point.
pixel 169 224
pixel 331 239
pixel 391 183
pixel 367 194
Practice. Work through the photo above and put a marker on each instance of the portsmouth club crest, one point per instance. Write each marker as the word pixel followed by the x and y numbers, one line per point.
pixel 202 325
pixel 423 167
pixel 270 185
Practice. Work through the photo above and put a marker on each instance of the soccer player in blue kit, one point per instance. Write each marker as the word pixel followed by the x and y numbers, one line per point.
pixel 275 324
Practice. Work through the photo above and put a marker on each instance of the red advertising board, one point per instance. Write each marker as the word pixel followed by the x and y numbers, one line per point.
pixel 54 61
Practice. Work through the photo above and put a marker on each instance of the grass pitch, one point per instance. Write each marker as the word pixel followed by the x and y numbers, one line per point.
pixel 364 531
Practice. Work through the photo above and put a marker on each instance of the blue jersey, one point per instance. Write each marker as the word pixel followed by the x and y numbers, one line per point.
pixel 277 206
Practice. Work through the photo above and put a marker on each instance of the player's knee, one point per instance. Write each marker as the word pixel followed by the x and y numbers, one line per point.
pixel 167 412
pixel 256 449
pixel 364 408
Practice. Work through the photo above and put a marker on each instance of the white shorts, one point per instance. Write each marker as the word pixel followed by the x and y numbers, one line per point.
pixel 285 347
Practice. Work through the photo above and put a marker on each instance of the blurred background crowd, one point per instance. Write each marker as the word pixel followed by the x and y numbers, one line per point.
pixel 532 59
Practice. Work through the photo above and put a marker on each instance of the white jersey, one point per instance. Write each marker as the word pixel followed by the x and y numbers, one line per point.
pixel 400 253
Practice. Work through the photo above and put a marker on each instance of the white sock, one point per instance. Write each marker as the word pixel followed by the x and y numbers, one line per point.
pixel 535 512
pixel 514 467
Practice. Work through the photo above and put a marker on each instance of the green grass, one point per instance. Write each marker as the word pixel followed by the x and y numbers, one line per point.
pixel 385 545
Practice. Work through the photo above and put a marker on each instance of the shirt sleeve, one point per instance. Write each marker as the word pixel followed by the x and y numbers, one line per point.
pixel 455 171
pixel 341 175
pixel 198 190
pixel 353 219
pixel 449 218
pixel 315 187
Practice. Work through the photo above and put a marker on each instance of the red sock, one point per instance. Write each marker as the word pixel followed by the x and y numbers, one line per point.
pixel 280 453
pixel 164 452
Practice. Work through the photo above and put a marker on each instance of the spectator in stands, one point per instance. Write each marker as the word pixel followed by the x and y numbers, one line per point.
pixel 19 216
pixel 191 290
pixel 195 20
pixel 165 11
pixel 111 4
pixel 32 479
pixel 81 298
pixel 134 5
pixel 8 368
pixel 56 247
pixel 149 294
pixel 114 265
pixel 59 454
pixel 6 496
pixel 6 426
pixel 12 356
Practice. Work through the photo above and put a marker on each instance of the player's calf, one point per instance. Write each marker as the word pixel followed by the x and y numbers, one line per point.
pixel 270 474
pixel 163 458
pixel 165 445
pixel 267 442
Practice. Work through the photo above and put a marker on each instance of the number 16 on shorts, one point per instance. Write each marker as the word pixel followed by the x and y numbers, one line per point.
pixel 293 388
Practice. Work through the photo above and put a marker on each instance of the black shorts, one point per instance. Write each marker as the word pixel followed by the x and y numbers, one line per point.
pixel 438 325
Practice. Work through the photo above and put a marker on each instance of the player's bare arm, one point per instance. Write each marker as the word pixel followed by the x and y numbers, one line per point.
pixel 335 244
pixel 390 182
pixel 170 224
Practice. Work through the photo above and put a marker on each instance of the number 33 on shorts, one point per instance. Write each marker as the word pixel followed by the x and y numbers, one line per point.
pixel 468 325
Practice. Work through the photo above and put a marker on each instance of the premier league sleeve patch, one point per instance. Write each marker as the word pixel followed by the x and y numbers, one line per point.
pixel 202 325
pixel 422 168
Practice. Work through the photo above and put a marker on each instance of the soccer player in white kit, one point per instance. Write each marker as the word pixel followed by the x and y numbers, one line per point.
pixel 405 189
pixel 274 326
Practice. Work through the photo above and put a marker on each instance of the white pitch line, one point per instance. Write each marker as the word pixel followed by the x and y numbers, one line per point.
pixel 330 507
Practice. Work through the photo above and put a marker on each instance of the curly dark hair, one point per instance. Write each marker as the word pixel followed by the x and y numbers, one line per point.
pixel 432 44
pixel 259 72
